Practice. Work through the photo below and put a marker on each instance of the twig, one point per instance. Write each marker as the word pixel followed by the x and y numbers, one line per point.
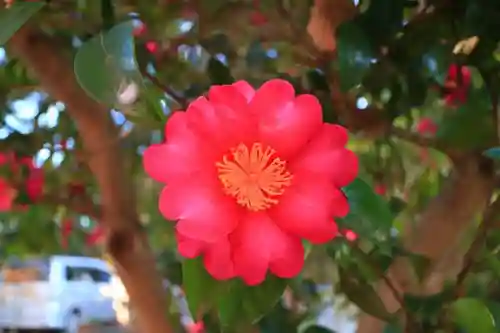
pixel 396 294
pixel 81 204
pixel 181 100
pixel 417 139
pixel 489 219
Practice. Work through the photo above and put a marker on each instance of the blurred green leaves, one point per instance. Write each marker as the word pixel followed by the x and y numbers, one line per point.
pixel 106 68
pixel 13 18
pixel 369 212
pixel 235 303
pixel 355 54
pixel 472 316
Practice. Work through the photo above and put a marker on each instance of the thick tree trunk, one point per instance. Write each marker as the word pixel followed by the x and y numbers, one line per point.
pixel 127 243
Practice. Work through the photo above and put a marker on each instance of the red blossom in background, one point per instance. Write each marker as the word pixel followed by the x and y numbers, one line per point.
pixel 258 19
pixel 427 126
pixel 33 183
pixel 380 189
pixel 197 327
pixel 250 173
pixel 95 236
pixel 152 46
pixel 350 235
pixel 66 231
pixel 458 88
pixel 140 30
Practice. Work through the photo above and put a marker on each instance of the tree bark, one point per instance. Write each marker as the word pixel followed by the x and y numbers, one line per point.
pixel 440 226
pixel 127 242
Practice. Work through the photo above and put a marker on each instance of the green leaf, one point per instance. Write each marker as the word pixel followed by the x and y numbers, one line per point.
pixel 392 328
pixel 241 304
pixel 218 72
pixel 472 315
pixel 200 288
pixel 473 118
pixel 437 60
pixel 368 211
pixel 493 153
pixel 354 54
pixel 105 65
pixel 13 18
pixel 428 307
pixel 363 295
pixel 383 19
pixel 317 329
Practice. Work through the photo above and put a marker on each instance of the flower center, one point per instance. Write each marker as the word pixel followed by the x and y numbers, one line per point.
pixel 255 177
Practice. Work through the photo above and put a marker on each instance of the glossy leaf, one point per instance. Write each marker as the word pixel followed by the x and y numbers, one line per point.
pixel 493 153
pixel 13 18
pixel 369 211
pixel 105 66
pixel 243 304
pixel 472 315
pixel 199 287
pixel 355 54
pixel 363 295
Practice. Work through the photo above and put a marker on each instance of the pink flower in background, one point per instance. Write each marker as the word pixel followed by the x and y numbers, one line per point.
pixel 95 236
pixel 197 327
pixel 7 196
pixel 66 231
pixel 32 182
pixel 380 189
pixel 350 235
pixel 427 126
pixel 458 89
pixel 249 174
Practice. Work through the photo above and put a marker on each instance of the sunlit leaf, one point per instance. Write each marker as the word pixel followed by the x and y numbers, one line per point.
pixel 244 304
pixel 13 18
pixel 473 316
pixel 200 288
pixel 105 66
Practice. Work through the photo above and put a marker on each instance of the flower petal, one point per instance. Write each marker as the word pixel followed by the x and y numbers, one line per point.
pixel 245 89
pixel 229 96
pixel 7 195
pixel 203 212
pixel 218 260
pixel 187 247
pixel 259 244
pixel 325 156
pixel 182 156
pixel 307 207
pixel 285 123
pixel 218 123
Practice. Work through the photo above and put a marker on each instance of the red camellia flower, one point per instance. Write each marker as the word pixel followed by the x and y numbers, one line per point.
pixel 66 231
pixel 258 19
pixel 249 174
pixel 7 196
pixel 33 183
pixel 95 236
pixel 380 189
pixel 427 126
pixel 350 235
pixel 152 46
pixel 197 327
pixel 457 89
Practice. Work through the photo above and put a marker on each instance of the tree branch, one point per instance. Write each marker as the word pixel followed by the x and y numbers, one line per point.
pixel 489 219
pixel 127 242
pixel 183 102
pixel 82 205
pixel 418 139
